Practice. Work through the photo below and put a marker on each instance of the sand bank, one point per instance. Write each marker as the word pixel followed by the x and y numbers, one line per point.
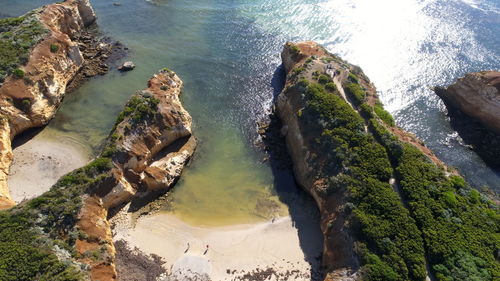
pixel 270 249
pixel 41 161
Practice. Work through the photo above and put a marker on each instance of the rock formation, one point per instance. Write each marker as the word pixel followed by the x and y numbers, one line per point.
pixel 30 95
pixel 473 103
pixel 378 188
pixel 477 95
pixel 152 154
pixel 149 147
pixel 144 155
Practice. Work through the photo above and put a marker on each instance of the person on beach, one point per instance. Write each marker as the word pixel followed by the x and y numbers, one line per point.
pixel 206 250
pixel 187 249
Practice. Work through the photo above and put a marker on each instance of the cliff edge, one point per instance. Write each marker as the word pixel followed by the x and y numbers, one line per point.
pixel 477 95
pixel 39 58
pixel 473 104
pixel 66 234
pixel 390 209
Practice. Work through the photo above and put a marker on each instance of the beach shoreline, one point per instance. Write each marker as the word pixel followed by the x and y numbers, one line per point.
pixel 270 249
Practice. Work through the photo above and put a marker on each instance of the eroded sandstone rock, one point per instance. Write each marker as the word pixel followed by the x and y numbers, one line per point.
pixel 377 187
pixel 477 95
pixel 31 101
pixel 473 105
pixel 149 147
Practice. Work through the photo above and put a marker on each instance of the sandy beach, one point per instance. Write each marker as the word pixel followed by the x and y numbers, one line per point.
pixel 41 161
pixel 269 250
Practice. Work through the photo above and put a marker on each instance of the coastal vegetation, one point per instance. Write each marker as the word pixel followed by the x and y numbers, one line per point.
pixel 389 241
pixel 37 238
pixel 426 215
pixel 459 226
pixel 138 108
pixel 17 38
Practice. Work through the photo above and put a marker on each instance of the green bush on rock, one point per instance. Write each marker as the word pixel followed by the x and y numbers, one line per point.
pixel 355 92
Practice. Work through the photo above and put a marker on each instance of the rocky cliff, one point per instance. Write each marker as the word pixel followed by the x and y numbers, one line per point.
pixel 382 194
pixel 34 87
pixel 477 95
pixel 144 154
pixel 473 103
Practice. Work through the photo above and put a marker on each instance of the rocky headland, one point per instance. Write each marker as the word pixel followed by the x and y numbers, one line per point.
pixel 473 104
pixel 144 154
pixel 45 53
pixel 390 210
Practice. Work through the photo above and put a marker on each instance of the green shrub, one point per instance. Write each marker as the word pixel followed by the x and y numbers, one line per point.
pixel 442 218
pixel 366 111
pixel 18 36
pixel 353 78
pixel 26 104
pixel 331 87
pixel 468 229
pixel 54 48
pixel 297 71
pixel 22 258
pixel 475 196
pixel 450 198
pixel 462 266
pixel 295 50
pixel 18 73
pixel 394 246
pixel 355 92
pixel 138 108
pixel 383 114
pixel 323 79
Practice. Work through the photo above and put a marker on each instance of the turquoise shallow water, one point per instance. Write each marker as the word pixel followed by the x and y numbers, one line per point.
pixel 227 53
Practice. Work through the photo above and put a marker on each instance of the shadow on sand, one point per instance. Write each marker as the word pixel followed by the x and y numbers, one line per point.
pixel 303 210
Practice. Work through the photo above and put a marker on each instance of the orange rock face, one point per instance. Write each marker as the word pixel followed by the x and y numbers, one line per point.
pixel 46 76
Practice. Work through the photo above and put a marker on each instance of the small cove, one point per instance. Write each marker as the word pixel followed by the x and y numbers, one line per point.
pixel 227 54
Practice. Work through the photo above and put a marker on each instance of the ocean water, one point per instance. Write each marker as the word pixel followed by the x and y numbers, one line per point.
pixel 227 53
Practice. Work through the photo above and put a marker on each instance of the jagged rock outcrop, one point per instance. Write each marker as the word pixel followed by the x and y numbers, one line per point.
pixel 473 105
pixel 151 155
pixel 143 157
pixel 338 251
pixel 33 100
pixel 149 146
pixel 30 97
pixel 386 201
pixel 477 95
